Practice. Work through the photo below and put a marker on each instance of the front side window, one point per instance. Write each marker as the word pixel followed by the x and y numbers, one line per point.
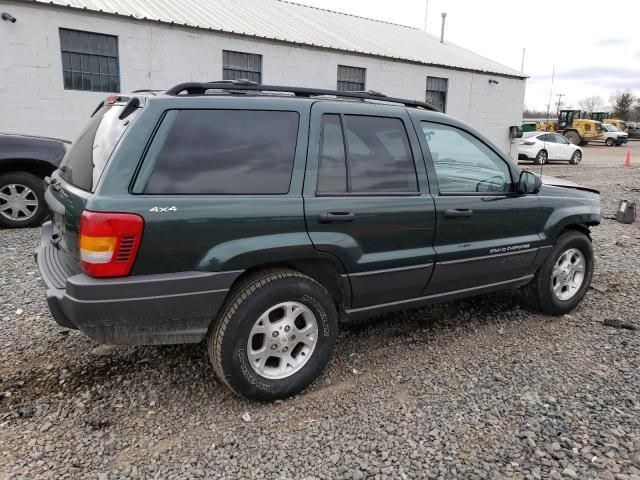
pixel 239 65
pixel 463 163
pixel 89 61
pixel 351 79
pixel 226 152
pixel 378 156
pixel 549 138
pixel 561 140
pixel 436 93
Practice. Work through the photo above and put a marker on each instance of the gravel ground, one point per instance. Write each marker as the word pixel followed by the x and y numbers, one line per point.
pixel 481 388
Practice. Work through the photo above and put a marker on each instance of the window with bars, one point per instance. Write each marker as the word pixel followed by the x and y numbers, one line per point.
pixel 436 93
pixel 89 61
pixel 239 65
pixel 351 79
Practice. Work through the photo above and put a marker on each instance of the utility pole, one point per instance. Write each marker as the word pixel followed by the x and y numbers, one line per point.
pixel 559 95
pixel 522 64
pixel 426 14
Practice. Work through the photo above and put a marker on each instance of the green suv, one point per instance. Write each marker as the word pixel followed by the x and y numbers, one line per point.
pixel 257 217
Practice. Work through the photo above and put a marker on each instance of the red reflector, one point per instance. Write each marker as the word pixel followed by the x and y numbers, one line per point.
pixel 109 242
pixel 111 99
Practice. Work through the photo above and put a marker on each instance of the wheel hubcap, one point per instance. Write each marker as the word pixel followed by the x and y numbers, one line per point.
pixel 17 202
pixel 568 274
pixel 282 340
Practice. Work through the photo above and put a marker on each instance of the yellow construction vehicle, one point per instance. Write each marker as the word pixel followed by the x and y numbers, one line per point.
pixel 604 118
pixel 575 128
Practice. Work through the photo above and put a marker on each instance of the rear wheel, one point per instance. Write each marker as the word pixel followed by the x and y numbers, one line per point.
pixel 21 200
pixel 541 158
pixel 576 158
pixel 562 281
pixel 610 142
pixel 274 336
pixel 573 137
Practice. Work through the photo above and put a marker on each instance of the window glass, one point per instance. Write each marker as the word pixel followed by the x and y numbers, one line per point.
pixel 351 79
pixel 239 65
pixel 436 92
pixel 549 138
pixel 332 167
pixel 463 163
pixel 561 140
pixel 227 152
pixel 85 161
pixel 89 61
pixel 379 155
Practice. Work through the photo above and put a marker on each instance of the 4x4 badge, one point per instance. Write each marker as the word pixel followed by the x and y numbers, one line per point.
pixel 163 209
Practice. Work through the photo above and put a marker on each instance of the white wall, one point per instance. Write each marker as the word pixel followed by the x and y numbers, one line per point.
pixel 33 100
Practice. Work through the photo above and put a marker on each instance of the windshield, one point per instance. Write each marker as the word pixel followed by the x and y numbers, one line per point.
pixel 85 161
pixel 609 128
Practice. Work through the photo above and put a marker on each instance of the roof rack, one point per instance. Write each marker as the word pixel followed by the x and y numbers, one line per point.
pixel 200 88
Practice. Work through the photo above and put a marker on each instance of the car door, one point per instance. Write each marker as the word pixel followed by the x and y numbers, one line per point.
pixel 564 147
pixel 367 199
pixel 486 233
pixel 551 146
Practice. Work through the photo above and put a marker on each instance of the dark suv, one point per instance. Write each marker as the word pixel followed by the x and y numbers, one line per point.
pixel 258 216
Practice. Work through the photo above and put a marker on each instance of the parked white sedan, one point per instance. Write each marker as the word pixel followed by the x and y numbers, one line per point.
pixel 544 146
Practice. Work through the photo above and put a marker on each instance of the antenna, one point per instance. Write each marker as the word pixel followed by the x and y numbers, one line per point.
pixel 553 75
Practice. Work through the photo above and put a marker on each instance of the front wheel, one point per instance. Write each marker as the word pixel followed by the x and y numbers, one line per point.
pixel 610 142
pixel 274 336
pixel 562 281
pixel 576 158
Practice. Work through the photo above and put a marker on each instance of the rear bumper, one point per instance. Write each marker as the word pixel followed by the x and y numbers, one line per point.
pixel 139 310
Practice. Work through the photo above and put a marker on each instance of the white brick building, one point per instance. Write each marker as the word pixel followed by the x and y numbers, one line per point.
pixel 60 58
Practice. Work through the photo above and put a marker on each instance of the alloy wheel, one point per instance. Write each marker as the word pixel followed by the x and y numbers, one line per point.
pixel 18 202
pixel 568 274
pixel 282 340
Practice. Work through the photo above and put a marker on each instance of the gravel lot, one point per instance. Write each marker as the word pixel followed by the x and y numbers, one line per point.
pixel 481 388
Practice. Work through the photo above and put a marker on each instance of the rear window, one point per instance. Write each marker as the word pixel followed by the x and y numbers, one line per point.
pixel 226 152
pixel 89 153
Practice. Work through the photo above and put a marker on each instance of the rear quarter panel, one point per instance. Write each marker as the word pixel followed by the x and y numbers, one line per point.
pixel 208 232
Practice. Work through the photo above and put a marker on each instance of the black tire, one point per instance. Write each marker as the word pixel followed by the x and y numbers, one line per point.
pixel 573 137
pixel 541 158
pixel 538 294
pixel 227 339
pixel 610 142
pixel 37 186
pixel 576 158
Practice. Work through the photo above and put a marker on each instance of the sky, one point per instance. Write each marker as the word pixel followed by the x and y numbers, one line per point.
pixel 593 45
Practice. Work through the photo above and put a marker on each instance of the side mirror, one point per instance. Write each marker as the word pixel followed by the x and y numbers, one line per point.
pixel 529 182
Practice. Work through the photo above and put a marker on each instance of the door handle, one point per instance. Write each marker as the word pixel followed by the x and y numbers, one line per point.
pixel 333 217
pixel 458 212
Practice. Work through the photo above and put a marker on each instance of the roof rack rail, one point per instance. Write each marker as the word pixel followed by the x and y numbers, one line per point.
pixel 153 91
pixel 200 88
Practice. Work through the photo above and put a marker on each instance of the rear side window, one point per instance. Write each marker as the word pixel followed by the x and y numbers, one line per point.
pixel 89 153
pixel 226 152
pixel 378 156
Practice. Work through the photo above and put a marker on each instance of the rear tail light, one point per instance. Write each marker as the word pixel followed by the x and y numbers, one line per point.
pixel 528 143
pixel 109 242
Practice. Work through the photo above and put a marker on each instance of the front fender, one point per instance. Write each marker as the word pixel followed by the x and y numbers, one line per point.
pixel 567 207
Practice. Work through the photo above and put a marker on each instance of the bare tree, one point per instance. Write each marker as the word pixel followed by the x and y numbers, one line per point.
pixel 622 102
pixel 591 104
